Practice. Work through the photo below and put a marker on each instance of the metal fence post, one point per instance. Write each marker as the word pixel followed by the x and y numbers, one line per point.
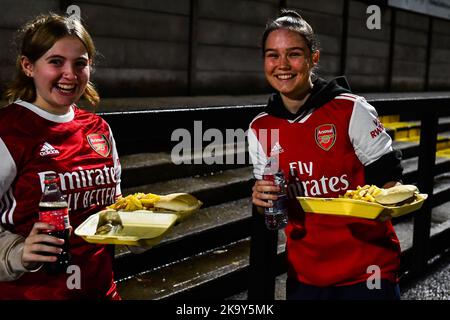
pixel 263 259
pixel 422 218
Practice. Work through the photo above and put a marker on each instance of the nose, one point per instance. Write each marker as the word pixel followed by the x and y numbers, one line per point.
pixel 284 62
pixel 69 72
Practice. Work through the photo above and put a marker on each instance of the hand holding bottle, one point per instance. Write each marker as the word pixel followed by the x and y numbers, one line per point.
pixel 40 247
pixel 264 190
pixel 53 209
pixel 270 193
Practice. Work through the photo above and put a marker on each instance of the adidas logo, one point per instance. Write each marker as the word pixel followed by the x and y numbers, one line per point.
pixel 47 149
pixel 277 149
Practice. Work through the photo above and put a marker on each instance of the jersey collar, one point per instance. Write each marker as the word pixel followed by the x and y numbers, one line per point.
pixel 47 115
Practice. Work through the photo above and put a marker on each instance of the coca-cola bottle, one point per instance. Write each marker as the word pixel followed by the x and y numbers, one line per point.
pixel 276 217
pixel 53 209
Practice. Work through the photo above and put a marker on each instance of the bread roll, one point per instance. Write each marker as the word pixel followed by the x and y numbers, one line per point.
pixel 178 202
pixel 396 194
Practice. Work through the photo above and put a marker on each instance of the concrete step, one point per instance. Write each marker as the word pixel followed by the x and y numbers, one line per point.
pixel 211 189
pixel 213 274
pixel 208 228
pixel 191 278
pixel 410 166
pixel 144 168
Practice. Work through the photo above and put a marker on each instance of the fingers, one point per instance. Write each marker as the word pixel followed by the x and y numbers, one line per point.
pixel 43 238
pixel 265 186
pixel 36 254
pixel 40 247
pixel 40 253
pixel 38 227
pixel 262 192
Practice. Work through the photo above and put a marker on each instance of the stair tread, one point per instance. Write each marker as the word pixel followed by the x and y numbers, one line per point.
pixel 193 184
pixel 146 159
pixel 138 160
pixel 411 164
pixel 180 276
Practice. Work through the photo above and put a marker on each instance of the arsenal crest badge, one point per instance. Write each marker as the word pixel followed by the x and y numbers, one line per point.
pixel 326 136
pixel 99 143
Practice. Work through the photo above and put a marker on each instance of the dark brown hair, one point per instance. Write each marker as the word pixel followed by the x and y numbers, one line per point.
pixel 293 21
pixel 34 40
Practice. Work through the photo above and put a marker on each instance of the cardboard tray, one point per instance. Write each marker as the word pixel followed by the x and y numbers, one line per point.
pixel 357 208
pixel 140 228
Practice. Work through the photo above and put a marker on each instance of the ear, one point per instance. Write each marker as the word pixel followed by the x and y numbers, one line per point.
pixel 315 57
pixel 27 66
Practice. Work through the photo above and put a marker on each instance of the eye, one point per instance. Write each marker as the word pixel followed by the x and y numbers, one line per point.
pixel 56 62
pixel 296 54
pixel 81 63
pixel 271 55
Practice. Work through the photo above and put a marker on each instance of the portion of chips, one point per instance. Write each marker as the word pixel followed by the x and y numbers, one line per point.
pixel 137 201
pixel 365 193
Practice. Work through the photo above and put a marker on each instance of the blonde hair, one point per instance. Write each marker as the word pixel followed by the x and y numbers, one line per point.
pixel 34 40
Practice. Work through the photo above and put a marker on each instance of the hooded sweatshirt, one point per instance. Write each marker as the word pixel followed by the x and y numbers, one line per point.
pixel 334 143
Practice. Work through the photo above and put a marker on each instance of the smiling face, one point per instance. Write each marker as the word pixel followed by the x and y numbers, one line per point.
pixel 60 75
pixel 288 63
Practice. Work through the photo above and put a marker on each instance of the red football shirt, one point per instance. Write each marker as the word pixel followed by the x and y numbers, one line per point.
pixel 80 149
pixel 326 151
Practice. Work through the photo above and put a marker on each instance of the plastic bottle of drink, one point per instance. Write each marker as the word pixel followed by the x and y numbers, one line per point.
pixel 276 217
pixel 53 209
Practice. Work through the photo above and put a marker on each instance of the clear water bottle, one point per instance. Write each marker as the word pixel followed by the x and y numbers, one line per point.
pixel 276 217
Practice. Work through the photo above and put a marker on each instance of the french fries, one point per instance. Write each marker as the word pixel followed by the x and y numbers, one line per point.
pixel 365 193
pixel 137 201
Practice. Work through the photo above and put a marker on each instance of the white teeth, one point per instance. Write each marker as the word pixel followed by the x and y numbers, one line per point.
pixel 284 76
pixel 66 86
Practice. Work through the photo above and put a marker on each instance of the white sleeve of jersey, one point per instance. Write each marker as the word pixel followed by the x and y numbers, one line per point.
pixel 368 136
pixel 257 155
pixel 8 170
pixel 117 166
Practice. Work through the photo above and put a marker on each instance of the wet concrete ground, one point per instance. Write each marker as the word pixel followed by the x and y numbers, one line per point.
pixel 434 286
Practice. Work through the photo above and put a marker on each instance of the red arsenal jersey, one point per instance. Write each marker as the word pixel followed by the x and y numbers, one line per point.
pixel 326 151
pixel 80 149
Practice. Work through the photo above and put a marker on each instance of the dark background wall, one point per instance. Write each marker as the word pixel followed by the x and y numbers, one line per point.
pixel 207 47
